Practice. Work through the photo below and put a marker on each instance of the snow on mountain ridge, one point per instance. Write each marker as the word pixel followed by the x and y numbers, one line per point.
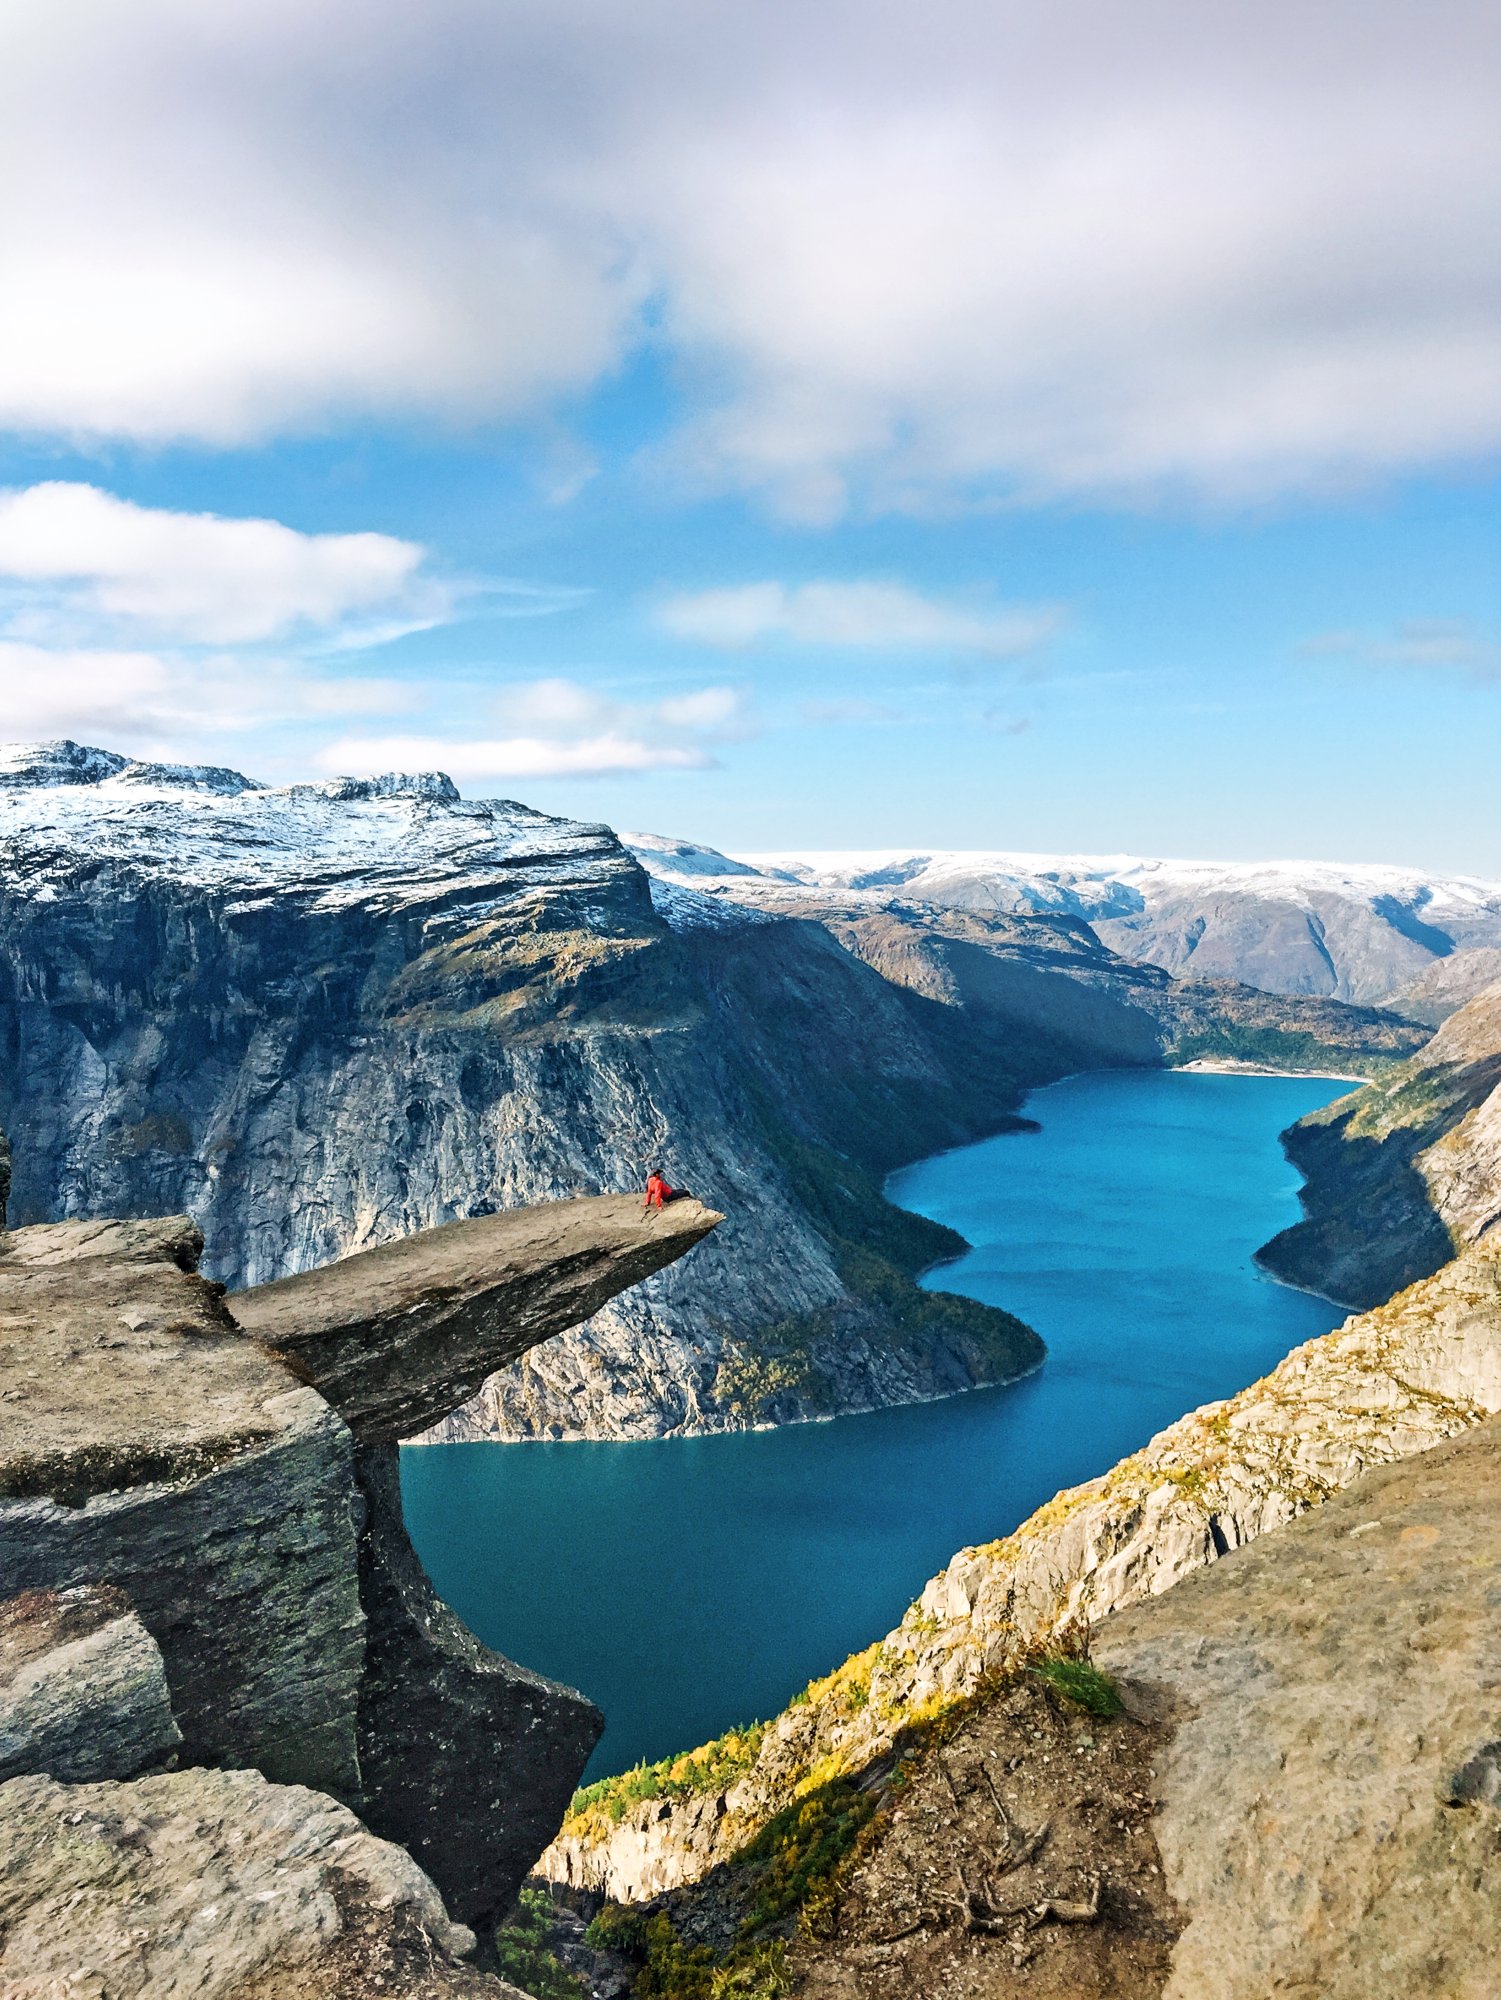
pixel 398 836
pixel 916 868
pixel 1363 932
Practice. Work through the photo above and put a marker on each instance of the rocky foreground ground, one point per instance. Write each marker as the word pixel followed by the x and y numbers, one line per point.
pixel 1302 1796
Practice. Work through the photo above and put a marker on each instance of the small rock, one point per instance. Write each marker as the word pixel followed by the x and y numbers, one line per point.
pixel 1478 1781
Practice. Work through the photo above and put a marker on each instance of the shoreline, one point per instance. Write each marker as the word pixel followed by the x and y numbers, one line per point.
pixel 1231 1066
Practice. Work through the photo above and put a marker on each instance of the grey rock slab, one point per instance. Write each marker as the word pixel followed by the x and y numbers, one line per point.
pixel 214 1885
pixel 399 1336
pixel 83 1691
pixel 146 1444
pixel 1329 1682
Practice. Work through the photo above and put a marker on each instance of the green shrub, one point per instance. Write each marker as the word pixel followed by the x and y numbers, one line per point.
pixel 711 1768
pixel 1081 1683
pixel 523 1955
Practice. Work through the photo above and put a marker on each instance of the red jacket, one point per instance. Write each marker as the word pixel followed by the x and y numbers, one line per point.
pixel 657 1191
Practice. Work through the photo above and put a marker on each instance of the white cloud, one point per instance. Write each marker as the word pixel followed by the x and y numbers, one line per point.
pixel 470 759
pixel 562 730
pixel 200 577
pixel 909 256
pixel 151 703
pixel 860 614
pixel 1434 644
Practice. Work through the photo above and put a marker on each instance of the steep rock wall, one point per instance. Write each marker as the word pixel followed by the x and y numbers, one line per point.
pixel 1405 1172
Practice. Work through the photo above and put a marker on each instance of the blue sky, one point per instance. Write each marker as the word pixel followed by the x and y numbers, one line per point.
pixel 772 426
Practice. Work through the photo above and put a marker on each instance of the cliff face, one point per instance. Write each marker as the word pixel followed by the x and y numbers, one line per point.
pixel 1405 1172
pixel 206 1528
pixel 323 1017
pixel 1391 1383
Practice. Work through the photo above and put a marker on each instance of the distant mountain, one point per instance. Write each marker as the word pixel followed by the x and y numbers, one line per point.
pixel 1365 934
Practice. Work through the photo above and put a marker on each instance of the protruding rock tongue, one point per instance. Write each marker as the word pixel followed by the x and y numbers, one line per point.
pixel 398 1336
pixel 466 1759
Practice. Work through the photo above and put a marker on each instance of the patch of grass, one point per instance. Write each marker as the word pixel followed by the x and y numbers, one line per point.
pixel 524 1957
pixel 669 1967
pixel 711 1768
pixel 787 1876
pixel 1079 1682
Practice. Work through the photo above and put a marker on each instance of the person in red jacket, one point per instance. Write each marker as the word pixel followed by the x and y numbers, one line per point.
pixel 657 1191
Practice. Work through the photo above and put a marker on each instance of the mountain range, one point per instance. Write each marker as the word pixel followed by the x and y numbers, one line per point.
pixel 1375 936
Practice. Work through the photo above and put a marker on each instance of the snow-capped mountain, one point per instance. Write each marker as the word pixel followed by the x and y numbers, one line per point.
pixel 1363 933
pixel 394 839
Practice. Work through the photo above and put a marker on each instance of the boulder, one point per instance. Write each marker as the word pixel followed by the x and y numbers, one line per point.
pixel 83 1692
pixel 215 1885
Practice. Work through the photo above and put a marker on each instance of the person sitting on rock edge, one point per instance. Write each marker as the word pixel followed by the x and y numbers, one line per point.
pixel 658 1191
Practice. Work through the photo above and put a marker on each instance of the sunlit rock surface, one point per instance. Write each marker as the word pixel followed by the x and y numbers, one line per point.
pixel 218 1885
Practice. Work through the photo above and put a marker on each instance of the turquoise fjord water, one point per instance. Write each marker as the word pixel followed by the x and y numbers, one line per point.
pixel 688 1584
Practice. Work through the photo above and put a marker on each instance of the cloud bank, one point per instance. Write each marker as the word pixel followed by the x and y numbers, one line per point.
pixel 562 730
pixel 854 615
pixel 200 577
pixel 898 260
pixel 1431 645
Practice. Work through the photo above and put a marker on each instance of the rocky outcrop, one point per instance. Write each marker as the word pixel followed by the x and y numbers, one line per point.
pixel 1405 1172
pixel 1324 1817
pixel 1387 1385
pixel 398 1337
pixel 249 1536
pixel 218 1885
pixel 83 1691
pixel 146 1444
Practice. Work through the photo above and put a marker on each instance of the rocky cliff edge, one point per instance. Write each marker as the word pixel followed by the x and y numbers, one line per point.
pixel 205 1529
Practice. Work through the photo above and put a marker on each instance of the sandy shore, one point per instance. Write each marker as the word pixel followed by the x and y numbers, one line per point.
pixel 1228 1066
